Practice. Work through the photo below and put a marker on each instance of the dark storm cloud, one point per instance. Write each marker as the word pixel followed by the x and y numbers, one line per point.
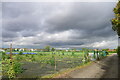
pixel 27 33
pixel 61 43
pixel 64 43
pixel 20 17
pixel 14 10
pixel 82 16
pixel 19 26
pixel 8 34
pixel 103 32
pixel 75 24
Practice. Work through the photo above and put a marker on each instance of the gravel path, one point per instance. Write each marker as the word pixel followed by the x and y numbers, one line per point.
pixel 105 68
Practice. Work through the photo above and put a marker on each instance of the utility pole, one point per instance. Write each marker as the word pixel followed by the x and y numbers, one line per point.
pixel 11 51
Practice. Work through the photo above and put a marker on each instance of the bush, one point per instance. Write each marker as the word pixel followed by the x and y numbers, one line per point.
pixel 20 53
pixel 72 53
pixel 41 54
pixel 118 51
pixel 3 55
pixel 18 58
pixel 62 52
pixel 11 68
pixel 32 58
pixel 17 67
pixel 52 61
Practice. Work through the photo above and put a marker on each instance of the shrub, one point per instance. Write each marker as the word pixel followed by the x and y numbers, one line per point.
pixel 118 51
pixel 20 53
pixel 3 55
pixel 32 58
pixel 52 61
pixel 18 58
pixel 11 68
pixel 73 53
pixel 17 67
pixel 62 52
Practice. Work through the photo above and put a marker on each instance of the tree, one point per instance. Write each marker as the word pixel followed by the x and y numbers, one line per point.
pixel 105 49
pixel 47 48
pixel 116 24
pixel 20 53
pixel 53 49
pixel 74 49
pixel 86 54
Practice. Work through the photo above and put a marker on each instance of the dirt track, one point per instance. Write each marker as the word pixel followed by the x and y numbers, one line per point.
pixel 105 68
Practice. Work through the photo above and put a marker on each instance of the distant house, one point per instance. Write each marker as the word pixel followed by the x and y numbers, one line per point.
pixel 6 49
pixel 40 50
pixel 77 50
pixel 66 50
pixel 62 48
pixel 21 49
pixel 112 50
pixel 32 49
pixel 16 49
pixel 1 50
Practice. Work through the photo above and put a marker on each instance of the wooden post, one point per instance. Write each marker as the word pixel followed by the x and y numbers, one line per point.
pixel 11 51
pixel 97 55
pixel 94 55
pixel 55 63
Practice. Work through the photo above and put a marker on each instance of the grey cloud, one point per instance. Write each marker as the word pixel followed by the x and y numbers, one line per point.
pixel 16 9
pixel 18 26
pixel 85 16
pixel 8 34
pixel 89 22
pixel 62 43
pixel 28 33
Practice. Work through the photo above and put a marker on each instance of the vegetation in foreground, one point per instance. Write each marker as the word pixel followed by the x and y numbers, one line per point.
pixel 44 63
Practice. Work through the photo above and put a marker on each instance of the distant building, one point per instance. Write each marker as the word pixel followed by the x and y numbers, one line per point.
pixel 1 50
pixel 32 49
pixel 112 50
pixel 62 48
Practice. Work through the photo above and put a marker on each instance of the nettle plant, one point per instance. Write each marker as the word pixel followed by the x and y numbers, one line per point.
pixel 52 60
pixel 62 52
pixel 32 58
pixel 18 57
pixel 11 68
pixel 3 55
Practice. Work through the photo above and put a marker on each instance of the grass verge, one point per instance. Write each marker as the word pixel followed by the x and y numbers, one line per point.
pixel 65 72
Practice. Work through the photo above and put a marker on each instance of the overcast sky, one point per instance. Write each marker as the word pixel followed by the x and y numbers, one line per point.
pixel 58 24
